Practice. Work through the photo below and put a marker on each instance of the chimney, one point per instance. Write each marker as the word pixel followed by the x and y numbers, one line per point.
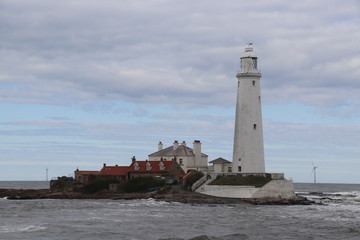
pixel 197 151
pixel 183 143
pixel 176 144
pixel 133 159
pixel 104 165
pixel 160 146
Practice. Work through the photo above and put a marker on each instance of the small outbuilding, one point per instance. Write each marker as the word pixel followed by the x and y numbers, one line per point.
pixel 221 165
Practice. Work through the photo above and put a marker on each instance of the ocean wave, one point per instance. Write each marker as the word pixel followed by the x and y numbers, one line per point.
pixel 235 236
pixel 22 229
pixel 146 202
pixel 352 194
pixel 351 197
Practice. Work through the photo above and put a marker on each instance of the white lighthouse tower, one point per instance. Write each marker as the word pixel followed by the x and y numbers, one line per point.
pixel 248 154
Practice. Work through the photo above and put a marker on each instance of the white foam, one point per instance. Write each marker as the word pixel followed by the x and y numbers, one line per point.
pixel 354 194
pixel 30 228
pixel 146 202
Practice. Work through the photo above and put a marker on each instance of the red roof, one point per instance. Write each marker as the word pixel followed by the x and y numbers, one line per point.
pixel 123 170
pixel 180 175
pixel 155 166
pixel 114 170
pixel 88 172
pixel 188 174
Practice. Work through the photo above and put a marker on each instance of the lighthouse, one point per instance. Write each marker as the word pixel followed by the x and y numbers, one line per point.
pixel 248 152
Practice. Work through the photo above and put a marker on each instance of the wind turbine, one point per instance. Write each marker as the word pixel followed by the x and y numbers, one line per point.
pixel 314 171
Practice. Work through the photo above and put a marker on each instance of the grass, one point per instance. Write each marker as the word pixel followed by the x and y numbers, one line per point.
pixel 241 181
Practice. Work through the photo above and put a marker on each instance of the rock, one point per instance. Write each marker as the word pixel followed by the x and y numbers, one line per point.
pixel 170 196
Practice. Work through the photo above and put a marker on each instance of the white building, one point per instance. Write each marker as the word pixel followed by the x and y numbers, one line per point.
pixel 188 158
pixel 248 153
pixel 220 165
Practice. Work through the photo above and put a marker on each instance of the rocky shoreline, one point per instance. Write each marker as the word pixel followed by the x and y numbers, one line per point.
pixel 170 196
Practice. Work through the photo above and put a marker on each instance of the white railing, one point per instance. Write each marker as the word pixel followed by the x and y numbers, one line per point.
pixel 199 182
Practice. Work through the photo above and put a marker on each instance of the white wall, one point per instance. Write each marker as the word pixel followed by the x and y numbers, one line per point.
pixel 275 189
pixel 221 168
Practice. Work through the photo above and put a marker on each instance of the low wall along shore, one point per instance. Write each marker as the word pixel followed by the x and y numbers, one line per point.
pixel 274 189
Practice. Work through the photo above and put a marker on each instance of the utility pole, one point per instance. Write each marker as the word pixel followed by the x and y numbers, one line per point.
pixel 314 171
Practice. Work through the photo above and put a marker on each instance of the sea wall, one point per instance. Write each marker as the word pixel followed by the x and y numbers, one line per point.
pixel 227 191
pixel 276 188
pixel 273 189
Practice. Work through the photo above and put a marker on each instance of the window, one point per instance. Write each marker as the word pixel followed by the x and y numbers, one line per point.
pixel 254 126
pixel 148 166
pixel 181 162
pixel 259 99
pixel 162 166
pixel 239 159
pixel 136 166
pixel 254 60
pixel 239 168
pixel 253 82
pixel 229 169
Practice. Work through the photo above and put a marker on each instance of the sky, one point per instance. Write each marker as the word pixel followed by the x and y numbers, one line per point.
pixel 86 82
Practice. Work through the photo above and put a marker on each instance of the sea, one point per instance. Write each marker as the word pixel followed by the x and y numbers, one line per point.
pixel 336 215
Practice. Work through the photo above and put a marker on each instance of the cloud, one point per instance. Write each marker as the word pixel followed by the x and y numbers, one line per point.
pixel 157 51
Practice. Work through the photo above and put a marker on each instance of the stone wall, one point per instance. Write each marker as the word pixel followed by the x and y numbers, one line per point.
pixel 276 188
pixel 227 191
pixel 273 189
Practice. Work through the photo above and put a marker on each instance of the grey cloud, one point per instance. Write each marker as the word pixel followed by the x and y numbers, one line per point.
pixel 179 53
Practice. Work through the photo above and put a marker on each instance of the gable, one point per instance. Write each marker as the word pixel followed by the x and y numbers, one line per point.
pixel 220 161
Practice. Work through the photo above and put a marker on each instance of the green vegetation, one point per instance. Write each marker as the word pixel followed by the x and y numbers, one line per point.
pixel 191 179
pixel 256 181
pixel 142 184
pixel 63 183
pixel 98 184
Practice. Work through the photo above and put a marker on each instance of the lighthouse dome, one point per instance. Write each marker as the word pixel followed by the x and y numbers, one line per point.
pixel 249 52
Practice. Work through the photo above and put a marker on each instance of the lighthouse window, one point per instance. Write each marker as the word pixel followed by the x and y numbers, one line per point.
pixel 239 159
pixel 253 83
pixel 239 168
pixel 254 63
pixel 254 126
